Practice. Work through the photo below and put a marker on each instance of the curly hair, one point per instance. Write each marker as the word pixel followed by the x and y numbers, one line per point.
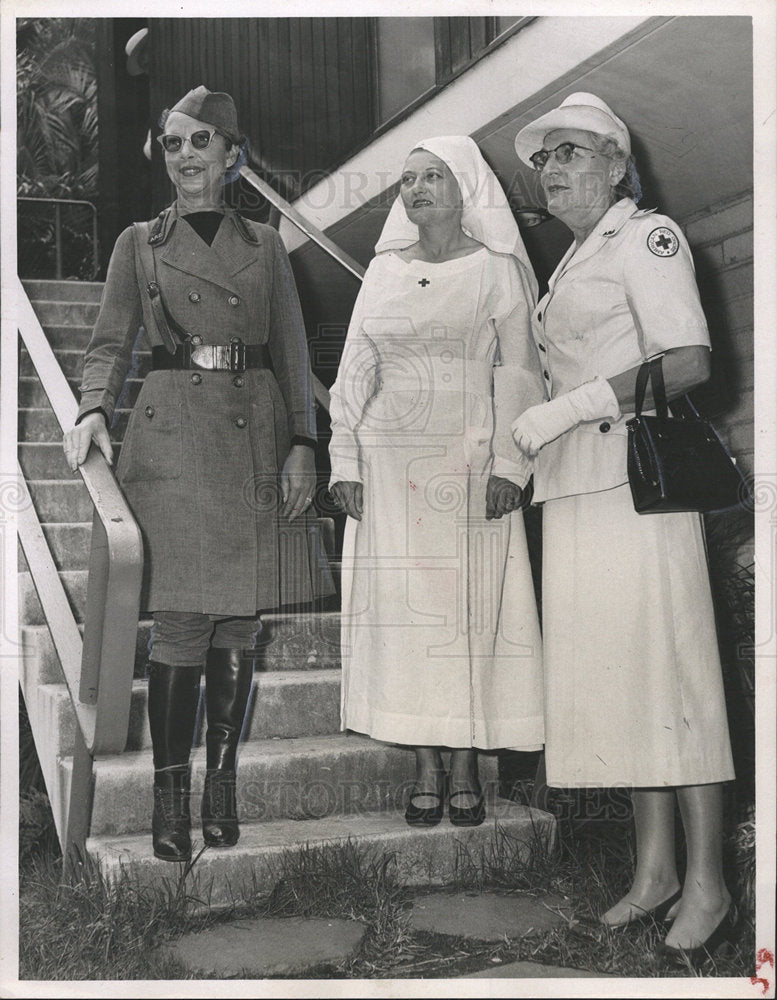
pixel 629 185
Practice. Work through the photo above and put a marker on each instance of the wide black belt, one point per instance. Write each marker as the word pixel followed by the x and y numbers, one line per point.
pixel 234 357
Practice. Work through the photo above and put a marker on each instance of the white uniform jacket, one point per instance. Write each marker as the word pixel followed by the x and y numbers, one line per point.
pixel 628 293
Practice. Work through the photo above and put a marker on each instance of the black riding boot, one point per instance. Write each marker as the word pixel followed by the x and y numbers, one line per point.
pixel 173 696
pixel 228 682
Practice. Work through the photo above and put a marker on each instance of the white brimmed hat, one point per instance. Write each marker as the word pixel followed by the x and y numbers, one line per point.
pixel 580 111
pixel 134 48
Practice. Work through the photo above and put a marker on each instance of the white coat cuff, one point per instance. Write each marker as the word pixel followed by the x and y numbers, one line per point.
pixel 518 472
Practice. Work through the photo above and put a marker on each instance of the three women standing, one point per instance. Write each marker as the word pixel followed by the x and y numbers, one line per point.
pixel 440 639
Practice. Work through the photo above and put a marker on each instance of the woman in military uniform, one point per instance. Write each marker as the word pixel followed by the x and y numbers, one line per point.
pixel 627 612
pixel 217 462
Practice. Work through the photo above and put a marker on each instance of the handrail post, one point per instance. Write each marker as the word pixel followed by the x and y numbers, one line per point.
pixel 79 813
pixel 58 203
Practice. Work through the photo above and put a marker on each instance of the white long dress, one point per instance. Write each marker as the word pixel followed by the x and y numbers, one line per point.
pixel 440 637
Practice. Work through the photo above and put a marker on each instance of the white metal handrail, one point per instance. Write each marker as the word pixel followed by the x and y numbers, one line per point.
pixel 98 670
pixel 321 239
pixel 302 223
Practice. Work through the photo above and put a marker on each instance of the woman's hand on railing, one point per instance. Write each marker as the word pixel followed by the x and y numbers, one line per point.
pixel 76 441
pixel 350 498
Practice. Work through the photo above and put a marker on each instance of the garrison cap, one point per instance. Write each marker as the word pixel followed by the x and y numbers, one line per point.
pixel 213 108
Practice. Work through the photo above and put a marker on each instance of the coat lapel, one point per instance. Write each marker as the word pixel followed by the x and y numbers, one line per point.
pixel 610 223
pixel 234 252
pixel 219 263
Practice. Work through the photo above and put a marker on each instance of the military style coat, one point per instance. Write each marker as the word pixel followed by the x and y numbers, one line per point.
pixel 201 455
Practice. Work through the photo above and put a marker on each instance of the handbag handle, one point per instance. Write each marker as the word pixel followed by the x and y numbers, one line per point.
pixel 652 369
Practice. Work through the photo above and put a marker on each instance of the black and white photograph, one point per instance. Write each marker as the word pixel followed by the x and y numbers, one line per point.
pixel 388 499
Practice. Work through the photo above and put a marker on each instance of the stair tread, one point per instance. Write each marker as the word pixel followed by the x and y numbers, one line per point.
pixel 266 750
pixel 262 678
pixel 268 617
pixel 285 832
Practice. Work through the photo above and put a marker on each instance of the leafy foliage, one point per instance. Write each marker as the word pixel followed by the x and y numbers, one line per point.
pixel 57 143
pixel 56 108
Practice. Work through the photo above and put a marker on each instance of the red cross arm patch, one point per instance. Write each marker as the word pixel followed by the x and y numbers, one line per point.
pixel 663 242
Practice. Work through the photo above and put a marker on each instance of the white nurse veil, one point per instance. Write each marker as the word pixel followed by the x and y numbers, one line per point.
pixel 486 217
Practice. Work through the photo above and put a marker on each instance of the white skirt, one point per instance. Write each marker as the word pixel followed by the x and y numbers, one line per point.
pixel 633 685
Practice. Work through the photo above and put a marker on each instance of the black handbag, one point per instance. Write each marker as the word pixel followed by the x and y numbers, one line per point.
pixel 678 462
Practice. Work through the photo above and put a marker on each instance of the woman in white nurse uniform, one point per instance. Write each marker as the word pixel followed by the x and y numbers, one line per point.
pixel 440 638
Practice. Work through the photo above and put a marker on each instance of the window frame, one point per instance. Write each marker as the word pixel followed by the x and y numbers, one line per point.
pixel 442 78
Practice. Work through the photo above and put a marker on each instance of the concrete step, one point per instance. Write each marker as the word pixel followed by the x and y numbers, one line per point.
pixel 71 361
pixel 63 312
pixel 74 291
pixel 70 338
pixel 44 460
pixel 30 610
pixel 302 778
pixel 61 500
pixel 307 640
pixel 40 424
pixel 68 543
pixel 68 504
pixel 33 395
pixel 285 704
pixel 423 856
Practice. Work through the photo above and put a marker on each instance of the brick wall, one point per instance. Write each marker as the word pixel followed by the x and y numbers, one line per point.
pixel 721 239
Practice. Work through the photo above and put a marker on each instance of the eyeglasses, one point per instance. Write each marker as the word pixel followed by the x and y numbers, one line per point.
pixel 564 153
pixel 198 140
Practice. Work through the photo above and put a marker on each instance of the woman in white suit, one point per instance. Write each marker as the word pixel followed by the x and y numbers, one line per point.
pixel 634 693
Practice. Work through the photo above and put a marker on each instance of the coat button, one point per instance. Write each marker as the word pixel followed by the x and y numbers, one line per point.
pixel 234 300
pixel 240 421
pixel 194 296
pixel 196 378
pixel 545 373
pixel 604 427
pixel 237 381
pixel 235 340
pixel 541 347
pixel 196 340
pixel 149 411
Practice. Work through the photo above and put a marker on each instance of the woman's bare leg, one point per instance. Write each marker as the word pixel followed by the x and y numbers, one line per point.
pixel 705 897
pixel 464 777
pixel 655 878
pixel 429 776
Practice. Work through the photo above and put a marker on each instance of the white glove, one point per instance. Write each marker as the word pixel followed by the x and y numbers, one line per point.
pixel 541 424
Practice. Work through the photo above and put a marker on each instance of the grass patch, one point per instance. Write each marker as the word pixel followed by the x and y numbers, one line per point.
pixel 84 928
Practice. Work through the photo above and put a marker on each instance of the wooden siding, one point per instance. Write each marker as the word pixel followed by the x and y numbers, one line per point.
pixel 302 86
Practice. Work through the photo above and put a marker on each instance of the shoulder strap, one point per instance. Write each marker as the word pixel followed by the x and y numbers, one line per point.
pixel 244 229
pixel 144 254
pixel 655 372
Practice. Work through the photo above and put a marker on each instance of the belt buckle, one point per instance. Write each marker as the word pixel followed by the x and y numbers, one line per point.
pixel 202 357
pixel 237 356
